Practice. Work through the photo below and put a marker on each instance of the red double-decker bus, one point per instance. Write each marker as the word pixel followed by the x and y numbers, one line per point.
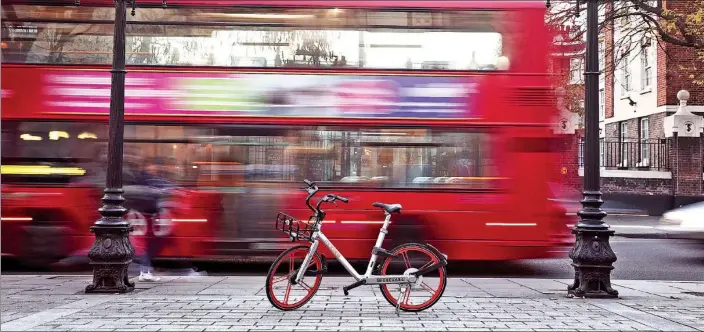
pixel 441 106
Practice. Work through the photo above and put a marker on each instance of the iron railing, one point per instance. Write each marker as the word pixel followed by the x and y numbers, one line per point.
pixel 650 155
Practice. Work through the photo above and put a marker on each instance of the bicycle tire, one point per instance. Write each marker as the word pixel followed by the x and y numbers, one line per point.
pixel 443 279
pixel 272 270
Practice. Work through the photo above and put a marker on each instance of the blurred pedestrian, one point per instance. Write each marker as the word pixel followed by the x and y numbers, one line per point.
pixel 152 190
pixel 143 191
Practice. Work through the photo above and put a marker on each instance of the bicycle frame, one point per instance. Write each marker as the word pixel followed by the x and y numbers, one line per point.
pixel 368 278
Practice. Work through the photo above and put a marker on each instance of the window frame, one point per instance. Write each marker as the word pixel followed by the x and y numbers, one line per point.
pixel 646 71
pixel 623 140
pixel 602 103
pixel 644 139
pixel 576 70
pixel 626 76
pixel 602 152
pixel 602 55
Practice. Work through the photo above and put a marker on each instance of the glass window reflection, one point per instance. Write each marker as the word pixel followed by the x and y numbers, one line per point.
pixel 321 38
pixel 228 156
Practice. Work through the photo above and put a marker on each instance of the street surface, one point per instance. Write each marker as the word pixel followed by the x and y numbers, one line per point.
pixel 57 303
pixel 638 259
pixel 643 254
pixel 659 280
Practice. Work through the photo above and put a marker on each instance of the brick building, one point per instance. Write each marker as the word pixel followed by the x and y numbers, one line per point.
pixel 640 165
pixel 567 62
pixel 567 67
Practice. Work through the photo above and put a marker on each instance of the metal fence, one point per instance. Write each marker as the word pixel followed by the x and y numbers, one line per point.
pixel 652 155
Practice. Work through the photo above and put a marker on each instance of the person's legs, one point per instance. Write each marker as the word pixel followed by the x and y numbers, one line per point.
pixel 145 273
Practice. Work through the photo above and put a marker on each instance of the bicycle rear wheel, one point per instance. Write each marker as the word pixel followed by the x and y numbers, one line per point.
pixel 426 291
pixel 280 291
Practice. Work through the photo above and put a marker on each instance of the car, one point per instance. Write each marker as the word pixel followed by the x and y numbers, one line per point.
pixel 685 222
pixel 570 198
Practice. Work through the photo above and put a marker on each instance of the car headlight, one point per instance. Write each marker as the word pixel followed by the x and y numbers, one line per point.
pixel 670 219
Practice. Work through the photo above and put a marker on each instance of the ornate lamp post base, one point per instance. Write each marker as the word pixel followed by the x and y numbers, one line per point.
pixel 111 255
pixel 592 257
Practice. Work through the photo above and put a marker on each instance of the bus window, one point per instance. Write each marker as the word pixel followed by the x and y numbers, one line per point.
pixel 256 37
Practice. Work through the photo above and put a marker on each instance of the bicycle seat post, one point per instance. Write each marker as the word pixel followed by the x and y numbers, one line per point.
pixel 389 209
pixel 384 230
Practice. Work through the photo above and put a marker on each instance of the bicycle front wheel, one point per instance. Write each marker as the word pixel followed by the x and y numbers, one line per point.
pixel 280 291
pixel 426 291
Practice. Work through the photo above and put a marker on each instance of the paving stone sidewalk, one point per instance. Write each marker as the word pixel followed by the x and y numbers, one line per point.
pixel 239 303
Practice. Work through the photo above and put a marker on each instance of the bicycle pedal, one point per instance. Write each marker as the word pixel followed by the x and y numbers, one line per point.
pixel 354 285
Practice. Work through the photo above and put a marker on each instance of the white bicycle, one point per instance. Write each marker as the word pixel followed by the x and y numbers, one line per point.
pixel 288 286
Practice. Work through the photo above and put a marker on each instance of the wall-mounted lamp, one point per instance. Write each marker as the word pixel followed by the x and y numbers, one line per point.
pixel 630 101
pixel 630 98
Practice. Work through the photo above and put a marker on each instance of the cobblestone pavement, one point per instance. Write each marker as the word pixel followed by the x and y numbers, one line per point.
pixel 31 303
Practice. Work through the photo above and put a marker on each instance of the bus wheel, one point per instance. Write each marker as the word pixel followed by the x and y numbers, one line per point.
pixel 44 245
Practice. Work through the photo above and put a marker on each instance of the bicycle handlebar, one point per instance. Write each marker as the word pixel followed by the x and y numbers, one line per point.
pixel 344 200
pixel 312 189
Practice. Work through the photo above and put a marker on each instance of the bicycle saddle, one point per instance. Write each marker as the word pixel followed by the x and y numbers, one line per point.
pixel 389 208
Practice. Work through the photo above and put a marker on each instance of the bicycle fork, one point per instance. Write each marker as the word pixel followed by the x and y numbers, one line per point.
pixel 306 261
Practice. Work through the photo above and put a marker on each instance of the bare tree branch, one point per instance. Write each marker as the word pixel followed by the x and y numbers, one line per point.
pixel 668 38
pixel 680 24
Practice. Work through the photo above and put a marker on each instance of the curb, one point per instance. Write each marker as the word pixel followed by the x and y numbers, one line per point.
pixel 620 213
pixel 644 235
pixel 661 235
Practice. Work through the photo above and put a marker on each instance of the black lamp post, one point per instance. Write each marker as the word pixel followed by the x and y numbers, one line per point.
pixel 592 256
pixel 112 251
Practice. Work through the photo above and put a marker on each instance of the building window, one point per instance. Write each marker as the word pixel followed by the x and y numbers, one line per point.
pixel 575 32
pixel 602 102
pixel 622 142
pixel 646 71
pixel 644 138
pixel 576 71
pixel 624 130
pixel 626 18
pixel 601 152
pixel 625 76
pixel 580 152
pixel 602 56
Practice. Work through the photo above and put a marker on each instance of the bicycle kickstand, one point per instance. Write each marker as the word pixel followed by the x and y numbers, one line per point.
pixel 401 298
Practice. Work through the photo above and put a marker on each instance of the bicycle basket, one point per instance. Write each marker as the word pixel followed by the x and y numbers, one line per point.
pixel 295 229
